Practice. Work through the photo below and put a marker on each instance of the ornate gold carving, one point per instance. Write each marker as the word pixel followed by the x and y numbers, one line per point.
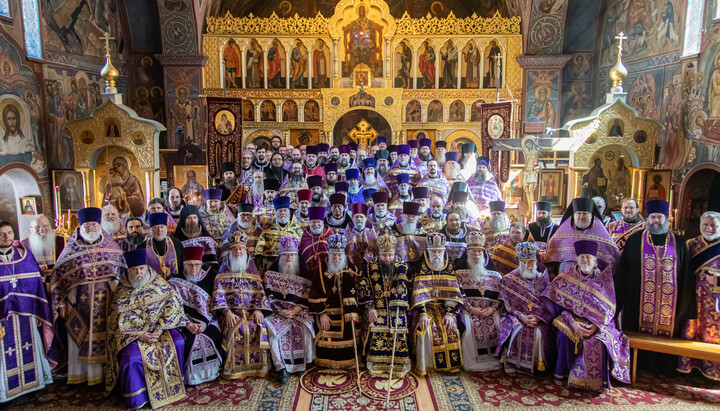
pixel 341 18
pixel 129 125
pixel 363 134
pixel 643 154
pixel 267 25
pixel 452 25
pixel 280 94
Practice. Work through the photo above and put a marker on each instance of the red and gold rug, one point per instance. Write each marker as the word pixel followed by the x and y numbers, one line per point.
pixel 375 386
pixel 323 381
pixel 495 389
pixel 461 391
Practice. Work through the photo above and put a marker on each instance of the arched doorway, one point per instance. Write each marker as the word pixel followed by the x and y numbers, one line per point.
pixel 700 192
pixel 349 120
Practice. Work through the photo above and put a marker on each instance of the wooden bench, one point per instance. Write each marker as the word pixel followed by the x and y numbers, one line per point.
pixel 673 346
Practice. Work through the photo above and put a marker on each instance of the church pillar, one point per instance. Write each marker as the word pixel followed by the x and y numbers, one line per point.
pixel 287 68
pixel 541 88
pixel 437 69
pixel 310 68
pixel 265 76
pixel 243 63
pixel 459 65
pixel 415 59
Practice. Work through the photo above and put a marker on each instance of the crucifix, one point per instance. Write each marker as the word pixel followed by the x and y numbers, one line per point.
pixel 107 39
pixel 363 134
pixel 498 63
pixel 531 147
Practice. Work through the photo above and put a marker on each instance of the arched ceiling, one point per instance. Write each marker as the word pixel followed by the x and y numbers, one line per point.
pixel 416 8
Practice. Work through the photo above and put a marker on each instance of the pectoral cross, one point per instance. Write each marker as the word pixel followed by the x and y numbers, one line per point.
pixel 107 39
pixel 530 305
pixel 620 39
pixel 13 281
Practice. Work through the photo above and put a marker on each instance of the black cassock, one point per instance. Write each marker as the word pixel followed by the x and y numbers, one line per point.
pixel 628 283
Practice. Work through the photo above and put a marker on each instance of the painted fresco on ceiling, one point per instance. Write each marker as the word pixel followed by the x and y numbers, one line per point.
pixel 652 26
pixel 75 27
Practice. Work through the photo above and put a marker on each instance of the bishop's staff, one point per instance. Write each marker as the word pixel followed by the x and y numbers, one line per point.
pixel 392 357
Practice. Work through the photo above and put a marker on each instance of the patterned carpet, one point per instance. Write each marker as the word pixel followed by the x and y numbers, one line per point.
pixel 497 389
pixel 456 392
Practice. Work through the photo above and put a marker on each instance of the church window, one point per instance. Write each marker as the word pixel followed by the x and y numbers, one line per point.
pixel 31 23
pixel 717 9
pixel 693 27
pixel 5 8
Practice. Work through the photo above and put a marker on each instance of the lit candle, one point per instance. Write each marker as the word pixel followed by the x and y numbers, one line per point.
pixel 56 194
pixel 68 220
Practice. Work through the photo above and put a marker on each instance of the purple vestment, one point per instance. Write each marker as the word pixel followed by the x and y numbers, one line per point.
pixel 24 305
pixel 560 248
pixel 522 297
pixel 585 362
pixel 245 344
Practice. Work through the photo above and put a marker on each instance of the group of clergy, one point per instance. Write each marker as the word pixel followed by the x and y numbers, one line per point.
pixel 391 259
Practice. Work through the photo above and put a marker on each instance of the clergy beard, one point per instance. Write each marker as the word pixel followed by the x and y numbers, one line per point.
pixel 283 220
pixel 425 157
pixel 141 279
pixel 403 163
pixel 544 221
pixel 110 226
pixel 586 269
pixel 238 264
pixel 40 245
pixel 192 228
pixel 477 267
pixel 344 162
pixel 498 224
pixel 437 263
pixel 582 225
pixel 316 197
pixel 89 237
pixel 409 227
pixel 659 228
pixel 292 268
pixel 175 209
pixel 388 268
pixel 334 267
pixel 531 273
pixel 135 238
pixel 437 216
pixel 297 179
pixel 381 215
pixel 709 239
pixel 317 230
pixel 160 237
pixel 243 224
pixel 230 182
pixel 481 177
pixel 632 220
pixel 258 188
pixel 382 170
pixel 354 187
pixel 193 278
pixel 370 179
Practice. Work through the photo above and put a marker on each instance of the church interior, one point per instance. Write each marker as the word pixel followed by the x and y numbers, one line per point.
pixel 118 102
